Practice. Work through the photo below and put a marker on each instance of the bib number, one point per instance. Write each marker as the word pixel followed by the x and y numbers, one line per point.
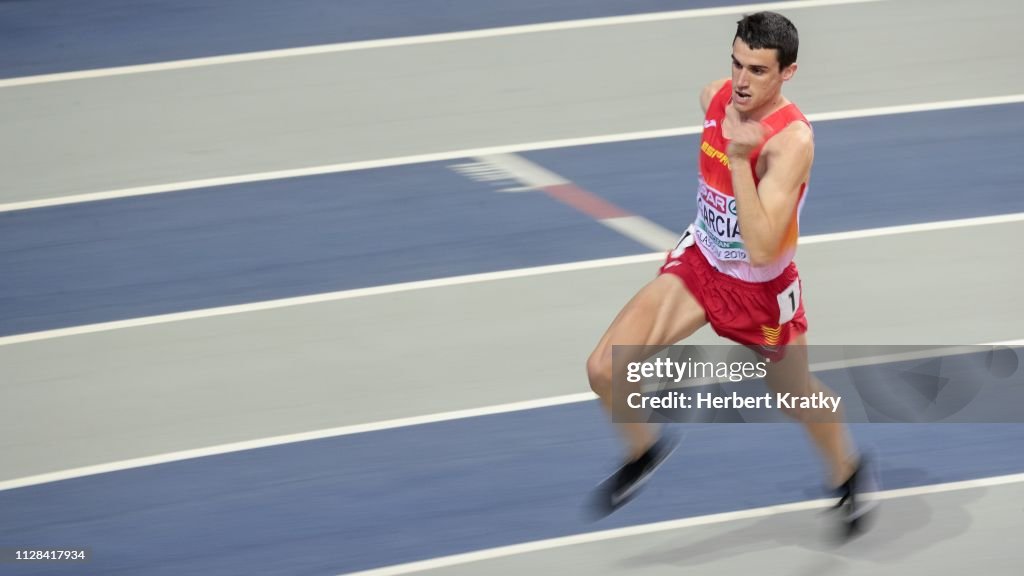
pixel 789 301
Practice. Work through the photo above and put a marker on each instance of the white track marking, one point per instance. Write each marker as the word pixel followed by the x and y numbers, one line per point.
pixel 536 177
pixel 349 430
pixel 644 231
pixel 913 228
pixel 515 166
pixel 590 537
pixel 326 297
pixel 471 279
pixel 423 39
pixel 291 438
pixel 472 152
pixel 909 108
pixel 345 167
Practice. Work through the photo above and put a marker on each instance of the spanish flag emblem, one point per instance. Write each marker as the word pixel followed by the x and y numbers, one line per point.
pixel 771 335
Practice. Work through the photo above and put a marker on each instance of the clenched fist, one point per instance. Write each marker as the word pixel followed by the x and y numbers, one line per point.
pixel 744 135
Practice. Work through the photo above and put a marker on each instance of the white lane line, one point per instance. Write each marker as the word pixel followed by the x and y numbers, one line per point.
pixel 292 438
pixel 913 228
pixel 344 167
pixel 638 530
pixel 473 152
pixel 326 297
pixel 472 279
pixel 389 424
pixel 423 39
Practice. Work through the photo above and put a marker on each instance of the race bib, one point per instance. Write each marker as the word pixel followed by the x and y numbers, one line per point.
pixel 789 301
pixel 718 226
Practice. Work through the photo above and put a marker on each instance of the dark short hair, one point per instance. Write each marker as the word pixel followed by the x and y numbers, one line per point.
pixel 770 30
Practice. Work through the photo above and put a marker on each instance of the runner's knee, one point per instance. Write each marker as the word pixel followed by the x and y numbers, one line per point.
pixel 797 414
pixel 599 370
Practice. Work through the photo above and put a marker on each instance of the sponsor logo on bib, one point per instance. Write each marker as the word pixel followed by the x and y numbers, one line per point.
pixel 718 226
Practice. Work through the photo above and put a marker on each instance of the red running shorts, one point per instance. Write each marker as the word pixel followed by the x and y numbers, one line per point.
pixel 763 316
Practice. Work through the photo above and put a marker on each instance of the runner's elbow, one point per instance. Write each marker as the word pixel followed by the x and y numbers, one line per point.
pixel 763 249
pixel 760 257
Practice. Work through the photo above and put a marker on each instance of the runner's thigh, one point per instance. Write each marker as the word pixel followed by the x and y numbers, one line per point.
pixel 662 313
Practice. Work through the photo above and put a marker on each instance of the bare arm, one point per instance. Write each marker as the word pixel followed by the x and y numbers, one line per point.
pixel 765 212
pixel 709 91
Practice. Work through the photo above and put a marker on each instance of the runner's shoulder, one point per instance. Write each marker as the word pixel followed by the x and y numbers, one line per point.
pixel 709 91
pixel 796 135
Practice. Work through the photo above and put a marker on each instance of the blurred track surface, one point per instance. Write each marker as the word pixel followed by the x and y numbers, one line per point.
pixel 411 493
pixel 48 36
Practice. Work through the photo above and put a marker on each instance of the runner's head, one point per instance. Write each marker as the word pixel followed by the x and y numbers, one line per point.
pixel 763 57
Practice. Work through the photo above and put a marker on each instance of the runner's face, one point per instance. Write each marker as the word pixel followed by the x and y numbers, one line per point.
pixel 756 78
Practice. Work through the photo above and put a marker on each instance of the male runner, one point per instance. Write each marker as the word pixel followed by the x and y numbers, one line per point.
pixel 735 269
